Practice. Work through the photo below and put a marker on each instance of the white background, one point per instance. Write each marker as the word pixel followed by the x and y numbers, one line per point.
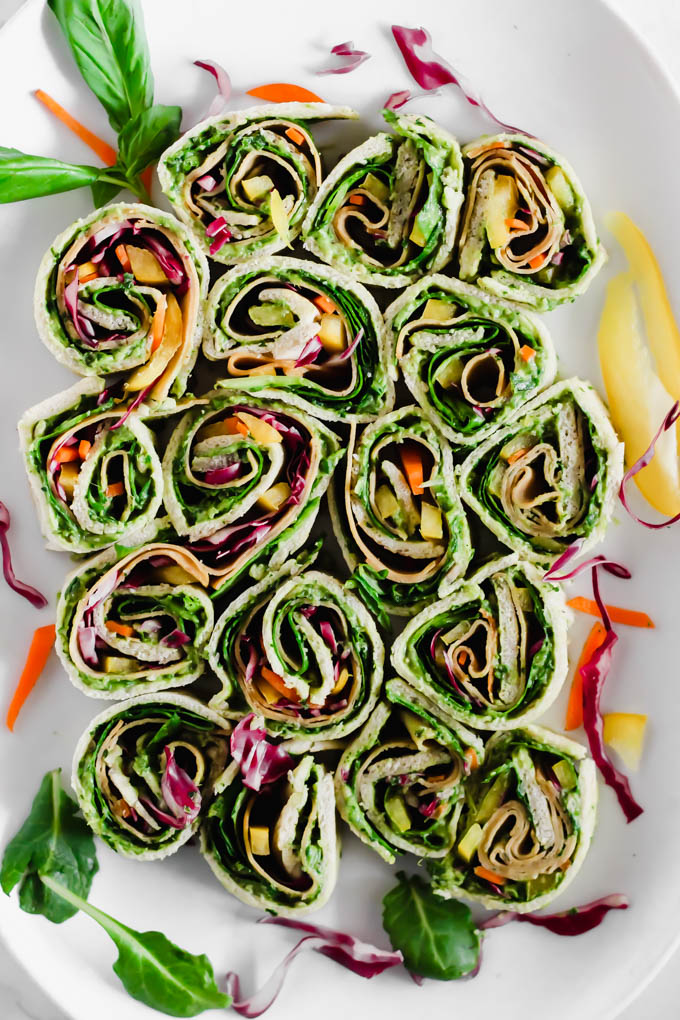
pixel 658 22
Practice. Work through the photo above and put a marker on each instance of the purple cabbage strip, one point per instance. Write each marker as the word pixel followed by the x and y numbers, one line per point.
pixel 167 259
pixel 179 791
pixel 87 637
pixel 139 399
pixel 348 351
pixel 223 474
pixel 310 352
pixel 175 639
pixel 611 566
pixel 431 72
pixel 223 85
pixel 253 658
pixel 351 59
pixel 576 921
pixel 82 325
pixel 641 463
pixel 328 635
pixel 260 761
pixel 594 673
pixel 163 816
pixel 219 231
pixel 397 100
pixel 102 589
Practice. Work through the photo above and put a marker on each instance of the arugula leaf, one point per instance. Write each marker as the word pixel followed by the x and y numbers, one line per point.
pixel 105 191
pixel 23 176
pixel 437 937
pixel 152 968
pixel 109 46
pixel 53 841
pixel 146 136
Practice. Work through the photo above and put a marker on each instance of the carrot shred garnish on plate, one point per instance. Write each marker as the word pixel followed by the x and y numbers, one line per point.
pixel 632 617
pixel 41 645
pixel 284 92
pixel 106 153
pixel 574 717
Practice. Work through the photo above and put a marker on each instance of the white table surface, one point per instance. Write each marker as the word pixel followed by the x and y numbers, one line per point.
pixel 658 22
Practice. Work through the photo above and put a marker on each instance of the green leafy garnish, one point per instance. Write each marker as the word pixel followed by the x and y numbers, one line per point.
pixel 437 937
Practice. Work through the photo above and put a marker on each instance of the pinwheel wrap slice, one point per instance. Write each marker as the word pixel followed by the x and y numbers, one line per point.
pixel 529 816
pixel 244 478
pixel 92 466
pixel 135 624
pixel 387 213
pixel 245 179
pixel 277 848
pixel 302 652
pixel 399 784
pixel 527 230
pixel 142 801
pixel 308 330
pixel 493 653
pixel 122 291
pixel 469 360
pixel 550 476
pixel 396 513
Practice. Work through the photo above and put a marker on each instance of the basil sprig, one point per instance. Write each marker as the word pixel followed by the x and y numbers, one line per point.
pixel 53 860
pixel 108 43
pixel 437 937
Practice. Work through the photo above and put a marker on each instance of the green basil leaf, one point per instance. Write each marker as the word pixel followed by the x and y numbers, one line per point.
pixel 53 841
pixel 146 136
pixel 108 43
pixel 23 176
pixel 437 937
pixel 152 968
pixel 104 192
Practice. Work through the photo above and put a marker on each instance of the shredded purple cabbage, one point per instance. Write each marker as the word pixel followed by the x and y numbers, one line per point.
pixel 576 921
pixel 179 791
pixel 260 761
pixel 223 85
pixel 223 474
pixel 351 58
pixel 641 463
pixel 175 639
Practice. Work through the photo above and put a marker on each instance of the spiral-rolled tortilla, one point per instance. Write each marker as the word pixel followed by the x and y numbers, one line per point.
pixel 244 478
pixel 307 330
pixel 492 653
pixel 244 180
pixel 527 230
pixel 396 513
pixel 144 770
pixel 549 477
pixel 301 652
pixel 275 848
pixel 136 624
pixel 388 211
pixel 122 291
pixel 400 783
pixel 528 819
pixel 468 359
pixel 93 469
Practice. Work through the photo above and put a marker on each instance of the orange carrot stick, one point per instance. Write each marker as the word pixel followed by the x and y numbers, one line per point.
pixel 84 447
pixel 66 454
pixel 324 304
pixel 630 616
pixel 119 628
pixel 489 876
pixel 515 456
pixel 537 261
pixel 105 152
pixel 123 257
pixel 574 717
pixel 277 682
pixel 115 489
pixel 157 325
pixel 413 466
pixel 296 137
pixel 526 353
pixel 513 224
pixel 471 758
pixel 284 92
pixel 41 645
pixel 357 200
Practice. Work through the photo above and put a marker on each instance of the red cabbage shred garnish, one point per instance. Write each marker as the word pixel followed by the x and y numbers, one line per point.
pixel 175 639
pixel 641 463
pixel 397 100
pixel 260 761
pixel 350 57
pixel 360 957
pixel 27 591
pixel 431 72
pixel 139 399
pixel 179 791
pixel 576 921
pixel 223 85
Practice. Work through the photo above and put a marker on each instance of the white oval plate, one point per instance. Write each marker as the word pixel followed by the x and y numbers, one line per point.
pixel 572 74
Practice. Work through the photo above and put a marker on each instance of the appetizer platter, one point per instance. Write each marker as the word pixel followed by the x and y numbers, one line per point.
pixel 338 517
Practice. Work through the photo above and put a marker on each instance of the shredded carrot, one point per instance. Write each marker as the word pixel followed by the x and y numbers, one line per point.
pixel 357 200
pixel 84 447
pixel 105 152
pixel 234 425
pixel 462 656
pixel 278 684
pixel 38 653
pixel 119 628
pixel 65 454
pixel 575 706
pixel 413 466
pixel 295 136
pixel 157 325
pixel 471 758
pixel 489 876
pixel 526 353
pixel 630 616
pixel 284 92
pixel 515 456
pixel 324 304
pixel 92 275
pixel 513 224
pixel 123 257
pixel 537 261
pixel 115 489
